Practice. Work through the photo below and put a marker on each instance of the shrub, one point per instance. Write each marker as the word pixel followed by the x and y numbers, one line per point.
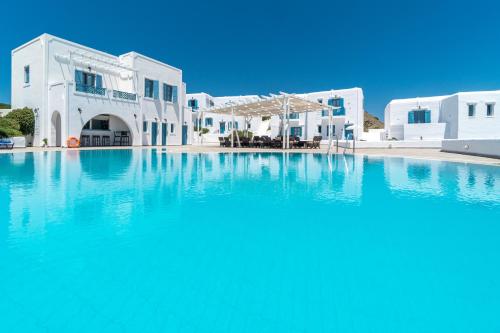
pixel 9 127
pixel 25 118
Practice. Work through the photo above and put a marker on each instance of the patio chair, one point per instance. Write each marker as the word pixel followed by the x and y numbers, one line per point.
pixel 266 141
pixel 85 141
pixel 6 143
pixel 96 140
pixel 256 142
pixel 316 142
pixel 222 141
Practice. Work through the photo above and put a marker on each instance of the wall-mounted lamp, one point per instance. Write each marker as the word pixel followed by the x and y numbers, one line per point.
pixel 80 110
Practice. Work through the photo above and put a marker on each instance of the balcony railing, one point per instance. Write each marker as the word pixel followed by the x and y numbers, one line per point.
pixel 124 95
pixel 90 89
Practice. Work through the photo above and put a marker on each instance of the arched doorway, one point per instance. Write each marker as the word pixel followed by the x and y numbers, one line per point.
pixel 105 130
pixel 55 131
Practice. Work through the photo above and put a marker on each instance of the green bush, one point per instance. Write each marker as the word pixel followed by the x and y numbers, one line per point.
pixel 25 118
pixel 9 127
pixel 242 134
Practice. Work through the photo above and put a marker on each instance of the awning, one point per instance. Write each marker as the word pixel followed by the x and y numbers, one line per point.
pixel 269 106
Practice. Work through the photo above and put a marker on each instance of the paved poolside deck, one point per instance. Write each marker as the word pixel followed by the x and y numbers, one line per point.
pixel 417 153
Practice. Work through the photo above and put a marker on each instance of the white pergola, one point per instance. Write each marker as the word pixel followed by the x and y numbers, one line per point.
pixel 274 105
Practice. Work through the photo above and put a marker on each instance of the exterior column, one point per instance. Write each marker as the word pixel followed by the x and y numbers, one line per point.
pixel 232 126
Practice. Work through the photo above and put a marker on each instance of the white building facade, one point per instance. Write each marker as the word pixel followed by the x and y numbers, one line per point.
pixel 464 115
pixel 348 116
pixel 98 98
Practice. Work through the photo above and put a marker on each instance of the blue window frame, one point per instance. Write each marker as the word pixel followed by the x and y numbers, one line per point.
pixel 89 83
pixel 27 74
pixel 294 115
pixel 471 110
pixel 419 117
pixel 296 131
pixel 338 103
pixel 193 104
pixel 209 122
pixel 490 110
pixel 169 93
pixel 151 89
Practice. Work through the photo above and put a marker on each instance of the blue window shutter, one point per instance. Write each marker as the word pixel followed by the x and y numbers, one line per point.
pixel 195 104
pixel 78 77
pixel 174 94
pixel 164 92
pixel 98 81
pixel 147 93
pixel 156 92
pixel 330 101
pixel 427 116
pixel 411 117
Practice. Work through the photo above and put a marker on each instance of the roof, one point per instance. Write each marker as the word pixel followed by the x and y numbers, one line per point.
pixel 269 106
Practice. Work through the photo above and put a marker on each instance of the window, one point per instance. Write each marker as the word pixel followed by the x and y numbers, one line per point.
pixel 169 93
pixel 319 128
pixel 490 110
pixel 209 122
pixel 419 117
pixel 328 130
pixel 294 115
pixel 338 104
pixel 471 110
pixel 87 125
pixel 26 74
pixel 151 89
pixel 193 103
pixel 296 131
pixel 144 126
pixel 172 128
pixel 89 82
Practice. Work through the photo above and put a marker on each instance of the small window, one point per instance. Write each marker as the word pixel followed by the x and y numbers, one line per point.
pixel 472 110
pixel 144 126
pixel 151 89
pixel 26 74
pixel 193 103
pixel 169 93
pixel 319 128
pixel 209 122
pixel 172 128
pixel 490 110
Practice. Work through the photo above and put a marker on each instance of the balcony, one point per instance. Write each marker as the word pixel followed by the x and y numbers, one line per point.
pixel 90 89
pixel 124 95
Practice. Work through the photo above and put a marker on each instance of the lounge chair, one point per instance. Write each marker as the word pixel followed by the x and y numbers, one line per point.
pixel 6 143
pixel 256 142
pixel 315 143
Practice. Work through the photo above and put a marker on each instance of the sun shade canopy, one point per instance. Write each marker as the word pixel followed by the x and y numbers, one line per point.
pixel 269 106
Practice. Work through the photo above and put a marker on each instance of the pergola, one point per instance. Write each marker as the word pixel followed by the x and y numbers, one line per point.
pixel 274 105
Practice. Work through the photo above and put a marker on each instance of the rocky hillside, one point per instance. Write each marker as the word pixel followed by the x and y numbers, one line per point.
pixel 372 122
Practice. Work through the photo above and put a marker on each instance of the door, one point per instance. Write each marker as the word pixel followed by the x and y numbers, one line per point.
pixel 222 127
pixel 164 134
pixel 184 135
pixel 154 133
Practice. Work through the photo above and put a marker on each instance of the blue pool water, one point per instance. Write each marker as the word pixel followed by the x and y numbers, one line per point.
pixel 142 241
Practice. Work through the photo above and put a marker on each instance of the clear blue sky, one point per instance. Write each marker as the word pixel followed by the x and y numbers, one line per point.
pixel 391 49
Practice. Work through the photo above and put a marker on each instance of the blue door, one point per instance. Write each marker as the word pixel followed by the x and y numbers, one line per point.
pixel 222 127
pixel 154 133
pixel 163 134
pixel 184 135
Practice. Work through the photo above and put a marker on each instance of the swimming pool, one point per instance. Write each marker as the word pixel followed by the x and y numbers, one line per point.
pixel 142 241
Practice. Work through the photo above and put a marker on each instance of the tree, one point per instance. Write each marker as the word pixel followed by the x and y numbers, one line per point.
pixel 25 118
pixel 9 127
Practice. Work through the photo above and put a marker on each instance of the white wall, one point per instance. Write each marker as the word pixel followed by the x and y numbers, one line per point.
pixel 486 147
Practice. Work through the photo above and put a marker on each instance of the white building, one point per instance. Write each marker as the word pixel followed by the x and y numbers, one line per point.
pixel 464 115
pixel 98 98
pixel 348 118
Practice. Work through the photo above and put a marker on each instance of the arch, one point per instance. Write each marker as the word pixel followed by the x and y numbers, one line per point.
pixel 55 129
pixel 105 126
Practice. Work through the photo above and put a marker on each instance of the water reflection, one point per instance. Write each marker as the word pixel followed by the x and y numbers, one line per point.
pixel 87 187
